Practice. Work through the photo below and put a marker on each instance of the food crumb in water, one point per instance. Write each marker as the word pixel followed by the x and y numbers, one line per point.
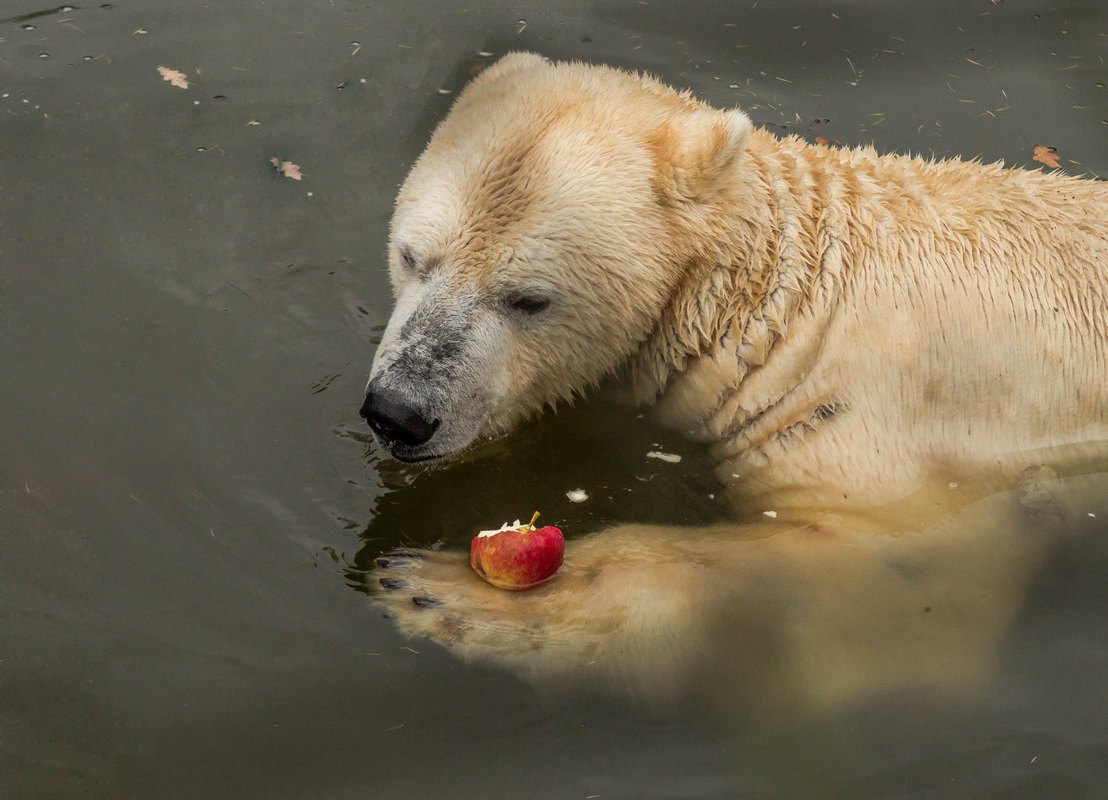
pixel 577 495
pixel 670 457
pixel 770 514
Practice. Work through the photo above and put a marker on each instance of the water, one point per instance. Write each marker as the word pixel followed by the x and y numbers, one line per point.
pixel 187 497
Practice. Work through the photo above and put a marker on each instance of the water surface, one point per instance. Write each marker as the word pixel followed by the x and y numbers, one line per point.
pixel 187 494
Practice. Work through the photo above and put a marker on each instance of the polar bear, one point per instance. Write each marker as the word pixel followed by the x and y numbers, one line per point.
pixel 871 345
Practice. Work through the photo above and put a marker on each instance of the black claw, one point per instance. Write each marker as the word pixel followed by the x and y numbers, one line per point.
pixel 392 583
pixel 426 602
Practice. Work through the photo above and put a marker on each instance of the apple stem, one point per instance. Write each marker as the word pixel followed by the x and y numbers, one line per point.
pixel 531 524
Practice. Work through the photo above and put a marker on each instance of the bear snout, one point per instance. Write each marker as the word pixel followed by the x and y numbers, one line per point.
pixel 394 419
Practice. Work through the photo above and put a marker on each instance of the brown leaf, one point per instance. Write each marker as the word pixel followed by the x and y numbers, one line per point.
pixel 286 168
pixel 175 77
pixel 1047 155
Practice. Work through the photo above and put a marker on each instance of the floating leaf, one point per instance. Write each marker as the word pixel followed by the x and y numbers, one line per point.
pixel 286 168
pixel 175 77
pixel 1047 155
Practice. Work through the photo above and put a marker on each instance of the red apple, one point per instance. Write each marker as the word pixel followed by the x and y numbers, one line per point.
pixel 517 556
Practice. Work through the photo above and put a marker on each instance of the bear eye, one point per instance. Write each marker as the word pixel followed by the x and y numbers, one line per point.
pixel 529 304
pixel 407 258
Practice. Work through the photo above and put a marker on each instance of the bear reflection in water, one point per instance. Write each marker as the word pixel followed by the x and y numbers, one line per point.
pixel 875 347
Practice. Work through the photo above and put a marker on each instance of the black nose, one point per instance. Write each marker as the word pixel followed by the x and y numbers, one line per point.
pixel 396 420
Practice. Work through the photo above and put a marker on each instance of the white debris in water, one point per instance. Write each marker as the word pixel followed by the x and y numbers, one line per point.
pixel 734 474
pixel 577 495
pixel 952 485
pixel 505 527
pixel 670 457
pixel 770 514
pixel 1091 514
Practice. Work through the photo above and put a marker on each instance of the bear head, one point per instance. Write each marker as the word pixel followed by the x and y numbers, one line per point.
pixel 536 244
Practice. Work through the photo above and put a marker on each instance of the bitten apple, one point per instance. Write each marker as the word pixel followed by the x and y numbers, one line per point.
pixel 517 556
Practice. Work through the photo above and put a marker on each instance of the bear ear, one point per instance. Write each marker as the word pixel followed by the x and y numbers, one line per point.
pixel 696 149
pixel 511 62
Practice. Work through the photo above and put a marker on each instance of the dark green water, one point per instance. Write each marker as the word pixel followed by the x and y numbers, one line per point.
pixel 187 493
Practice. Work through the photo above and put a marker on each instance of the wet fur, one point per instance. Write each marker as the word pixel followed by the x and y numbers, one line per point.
pixel 873 344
